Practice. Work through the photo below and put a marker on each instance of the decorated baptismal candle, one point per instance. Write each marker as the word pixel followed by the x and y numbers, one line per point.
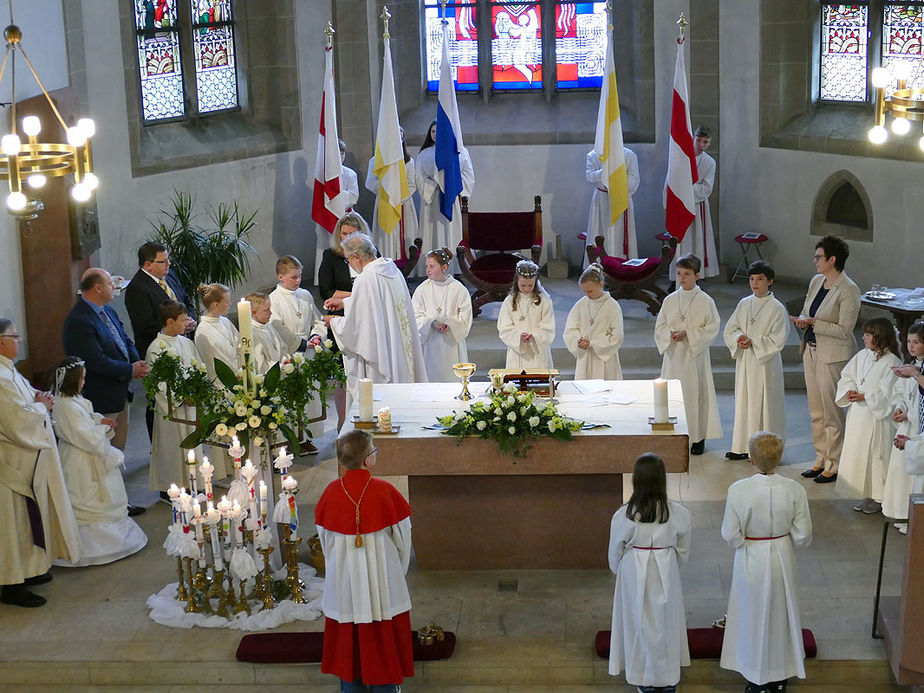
pixel 206 470
pixel 283 460
pixel 174 494
pixel 248 471
pixel 385 419
pixel 213 517
pixel 191 469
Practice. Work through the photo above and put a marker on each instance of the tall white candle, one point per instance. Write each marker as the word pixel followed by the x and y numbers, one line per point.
pixel 244 324
pixel 661 413
pixel 365 399
pixel 191 469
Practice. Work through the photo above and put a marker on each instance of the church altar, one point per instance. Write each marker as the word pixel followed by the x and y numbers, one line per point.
pixel 473 508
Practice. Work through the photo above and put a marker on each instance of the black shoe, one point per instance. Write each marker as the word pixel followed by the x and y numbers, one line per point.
pixel 812 473
pixel 42 579
pixel 165 498
pixel 736 455
pixel 308 448
pixel 136 510
pixel 18 595
pixel 698 448
pixel 822 479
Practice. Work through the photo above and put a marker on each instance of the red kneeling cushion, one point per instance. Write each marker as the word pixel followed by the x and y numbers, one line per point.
pixel 305 648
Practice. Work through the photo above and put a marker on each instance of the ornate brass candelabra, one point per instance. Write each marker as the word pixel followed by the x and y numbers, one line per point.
pixel 191 606
pixel 180 583
pixel 291 553
pixel 216 589
pixel 267 578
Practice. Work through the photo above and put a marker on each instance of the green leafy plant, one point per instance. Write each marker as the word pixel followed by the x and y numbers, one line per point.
pixel 217 252
pixel 180 383
pixel 513 419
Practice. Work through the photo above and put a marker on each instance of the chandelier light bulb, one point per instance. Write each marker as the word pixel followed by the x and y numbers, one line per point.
pixel 87 127
pixel 902 69
pixel 878 134
pixel 36 180
pixel 880 77
pixel 11 145
pixel 901 126
pixel 80 192
pixel 91 181
pixel 76 137
pixel 921 144
pixel 31 125
pixel 16 201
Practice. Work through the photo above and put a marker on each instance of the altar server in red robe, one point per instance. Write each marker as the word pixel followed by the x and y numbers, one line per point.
pixel 364 525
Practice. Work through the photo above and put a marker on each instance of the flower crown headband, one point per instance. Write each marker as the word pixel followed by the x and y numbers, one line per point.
pixel 527 269
pixel 61 371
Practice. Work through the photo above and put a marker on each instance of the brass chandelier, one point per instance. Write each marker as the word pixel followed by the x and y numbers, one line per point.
pixel 906 104
pixel 35 161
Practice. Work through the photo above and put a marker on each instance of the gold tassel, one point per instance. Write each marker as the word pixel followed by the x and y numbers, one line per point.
pixel 359 541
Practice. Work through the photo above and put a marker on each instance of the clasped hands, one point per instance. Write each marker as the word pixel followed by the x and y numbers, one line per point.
pixel 45 398
pixel 526 337
pixel 744 342
pixel 583 343
pixel 440 327
pixel 678 336
pixel 854 396
pixel 900 441
pixel 908 370
pixel 802 321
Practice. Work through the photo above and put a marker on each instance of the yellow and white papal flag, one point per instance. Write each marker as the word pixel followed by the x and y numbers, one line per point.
pixel 608 139
pixel 389 165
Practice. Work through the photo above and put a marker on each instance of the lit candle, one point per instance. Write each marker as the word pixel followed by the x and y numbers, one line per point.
pixel 191 470
pixel 244 324
pixel 661 414
pixel 236 451
pixel 263 495
pixel 365 399
pixel 206 469
pixel 283 460
pixel 212 516
pixel 174 494
pixel 289 483
pixel 224 507
pixel 248 471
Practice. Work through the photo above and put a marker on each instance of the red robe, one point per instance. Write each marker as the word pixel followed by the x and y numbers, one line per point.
pixel 380 652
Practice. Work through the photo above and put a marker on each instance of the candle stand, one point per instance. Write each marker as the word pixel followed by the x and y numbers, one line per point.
pixel 268 602
pixel 296 586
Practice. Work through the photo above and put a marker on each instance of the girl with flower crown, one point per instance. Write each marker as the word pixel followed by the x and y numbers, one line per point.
pixel 443 310
pixel 593 331
pixel 91 472
pixel 526 323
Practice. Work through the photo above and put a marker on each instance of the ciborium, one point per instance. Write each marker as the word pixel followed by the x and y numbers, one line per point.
pixel 464 371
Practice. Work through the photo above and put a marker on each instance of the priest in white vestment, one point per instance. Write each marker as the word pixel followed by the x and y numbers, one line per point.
pixel 766 515
pixel 443 309
pixel 755 334
pixel 865 386
pixel 377 333
pixel 594 330
pixel 619 238
pixel 435 229
pixel 37 522
pixel 92 472
pixel 168 459
pixel 699 238
pixel 686 326
pixel 526 321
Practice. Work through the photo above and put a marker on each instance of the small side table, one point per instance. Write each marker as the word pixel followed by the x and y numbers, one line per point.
pixel 746 241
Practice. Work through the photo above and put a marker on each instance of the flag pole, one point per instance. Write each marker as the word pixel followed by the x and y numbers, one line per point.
pixel 385 16
pixel 329 33
pixel 682 23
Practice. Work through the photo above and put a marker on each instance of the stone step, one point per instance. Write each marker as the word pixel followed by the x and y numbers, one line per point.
pixel 457 675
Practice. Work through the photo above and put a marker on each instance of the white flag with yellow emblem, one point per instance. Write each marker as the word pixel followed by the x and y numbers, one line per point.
pixel 389 165
pixel 608 139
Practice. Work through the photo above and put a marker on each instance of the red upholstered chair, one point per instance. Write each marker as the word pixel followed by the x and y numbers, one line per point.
pixel 486 253
pixel 407 264
pixel 634 282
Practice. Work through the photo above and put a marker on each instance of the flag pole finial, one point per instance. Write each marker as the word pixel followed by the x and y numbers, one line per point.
pixel 609 14
pixel 443 14
pixel 386 15
pixel 329 33
pixel 682 23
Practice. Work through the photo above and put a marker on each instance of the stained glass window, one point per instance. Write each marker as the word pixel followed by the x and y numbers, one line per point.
pixel 463 45
pixel 843 52
pixel 516 45
pixel 213 46
pixel 580 43
pixel 159 60
pixel 901 41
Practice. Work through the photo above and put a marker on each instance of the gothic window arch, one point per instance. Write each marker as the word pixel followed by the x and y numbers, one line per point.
pixel 842 208
pixel 186 58
pixel 517 46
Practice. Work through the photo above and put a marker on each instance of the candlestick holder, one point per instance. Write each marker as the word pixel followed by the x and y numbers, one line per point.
pixel 292 580
pixel 662 425
pixel 191 606
pixel 243 606
pixel 181 583
pixel 257 592
pixel 216 590
pixel 268 602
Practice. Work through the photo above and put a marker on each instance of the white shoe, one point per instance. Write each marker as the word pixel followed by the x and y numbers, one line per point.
pixel 901 527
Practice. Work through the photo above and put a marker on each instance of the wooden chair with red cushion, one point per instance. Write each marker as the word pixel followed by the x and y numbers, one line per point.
pixel 487 254
pixel 408 263
pixel 637 282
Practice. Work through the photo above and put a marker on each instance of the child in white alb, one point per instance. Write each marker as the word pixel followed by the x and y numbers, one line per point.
pixel 526 322
pixel 593 331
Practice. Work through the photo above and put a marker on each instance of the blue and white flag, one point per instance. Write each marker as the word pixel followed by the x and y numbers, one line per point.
pixel 448 135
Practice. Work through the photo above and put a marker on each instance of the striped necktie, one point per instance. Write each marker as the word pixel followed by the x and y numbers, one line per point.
pixel 116 337
pixel 167 289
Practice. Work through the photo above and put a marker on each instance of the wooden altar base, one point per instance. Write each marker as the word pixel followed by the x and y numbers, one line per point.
pixel 518 521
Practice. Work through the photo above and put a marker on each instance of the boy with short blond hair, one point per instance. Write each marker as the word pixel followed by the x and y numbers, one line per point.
pixel 755 334
pixel 294 306
pixel 364 525
pixel 687 323
pixel 766 515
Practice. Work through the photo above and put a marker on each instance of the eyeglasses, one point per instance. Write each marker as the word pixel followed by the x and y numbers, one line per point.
pixel 161 262
pixel 821 257
pixel 374 451
pixel 15 336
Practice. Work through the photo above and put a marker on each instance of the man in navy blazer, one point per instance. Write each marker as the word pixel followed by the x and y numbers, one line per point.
pixel 94 332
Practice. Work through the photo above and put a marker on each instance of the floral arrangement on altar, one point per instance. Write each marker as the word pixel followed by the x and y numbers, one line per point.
pixel 512 419
pixel 252 407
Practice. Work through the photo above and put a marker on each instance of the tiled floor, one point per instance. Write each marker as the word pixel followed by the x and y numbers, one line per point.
pixel 95 633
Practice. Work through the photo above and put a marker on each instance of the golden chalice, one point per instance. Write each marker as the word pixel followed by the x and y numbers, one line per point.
pixel 464 371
